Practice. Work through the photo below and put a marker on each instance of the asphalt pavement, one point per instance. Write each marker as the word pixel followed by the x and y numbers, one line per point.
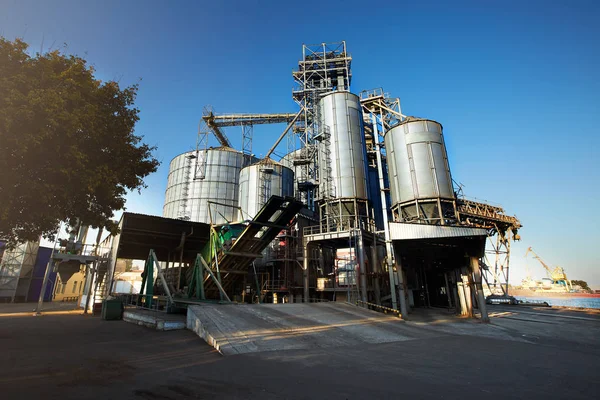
pixel 69 356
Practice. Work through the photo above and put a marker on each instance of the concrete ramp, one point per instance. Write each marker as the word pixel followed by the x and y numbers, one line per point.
pixel 237 329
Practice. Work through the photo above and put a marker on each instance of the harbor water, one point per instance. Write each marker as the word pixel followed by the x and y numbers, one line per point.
pixel 585 302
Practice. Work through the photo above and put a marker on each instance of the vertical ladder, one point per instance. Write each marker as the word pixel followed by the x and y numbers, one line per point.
pixel 266 173
pixel 185 191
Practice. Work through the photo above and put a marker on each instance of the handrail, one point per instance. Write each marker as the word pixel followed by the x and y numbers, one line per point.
pixel 377 306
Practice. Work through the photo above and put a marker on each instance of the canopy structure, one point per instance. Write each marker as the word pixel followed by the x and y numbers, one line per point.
pixel 167 237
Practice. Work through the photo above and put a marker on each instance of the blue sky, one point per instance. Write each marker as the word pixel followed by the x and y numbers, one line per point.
pixel 515 85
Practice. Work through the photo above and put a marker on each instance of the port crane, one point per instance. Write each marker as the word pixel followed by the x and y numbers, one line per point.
pixel 558 274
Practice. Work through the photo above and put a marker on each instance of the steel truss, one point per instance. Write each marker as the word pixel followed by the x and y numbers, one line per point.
pixel 212 123
pixel 387 112
pixel 502 230
pixel 496 275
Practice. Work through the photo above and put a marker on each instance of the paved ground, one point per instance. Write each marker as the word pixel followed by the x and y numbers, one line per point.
pixel 77 357
pixel 239 329
pixel 29 308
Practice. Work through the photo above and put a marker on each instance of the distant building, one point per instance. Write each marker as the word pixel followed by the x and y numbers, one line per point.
pixel 22 271
pixel 127 282
pixel 71 290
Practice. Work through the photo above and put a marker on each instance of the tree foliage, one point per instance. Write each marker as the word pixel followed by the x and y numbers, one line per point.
pixel 68 149
pixel 584 285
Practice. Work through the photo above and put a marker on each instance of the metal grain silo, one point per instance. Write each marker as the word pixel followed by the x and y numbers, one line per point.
pixel 419 173
pixel 288 161
pixel 344 160
pixel 260 181
pixel 187 198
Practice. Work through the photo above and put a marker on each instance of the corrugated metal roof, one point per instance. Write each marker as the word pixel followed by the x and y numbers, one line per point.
pixel 414 119
pixel 404 231
pixel 268 161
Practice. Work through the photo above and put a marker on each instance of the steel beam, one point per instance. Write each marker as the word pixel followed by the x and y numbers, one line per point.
pixel 214 278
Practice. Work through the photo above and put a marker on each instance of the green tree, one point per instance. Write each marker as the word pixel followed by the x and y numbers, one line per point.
pixel 67 145
pixel 583 284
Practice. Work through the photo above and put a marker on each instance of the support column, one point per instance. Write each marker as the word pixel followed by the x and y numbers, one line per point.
pixel 200 280
pixel 376 271
pixel 49 268
pixel 244 291
pixel 453 285
pixel 180 268
pixel 401 288
pixel 467 288
pixel 461 294
pixel 90 289
pixel 382 193
pixel 479 289
pixel 425 284
pixel 362 265
pixel 448 290
pixel 305 274
pixel 405 284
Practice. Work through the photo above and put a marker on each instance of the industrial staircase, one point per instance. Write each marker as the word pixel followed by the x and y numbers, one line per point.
pixel 100 285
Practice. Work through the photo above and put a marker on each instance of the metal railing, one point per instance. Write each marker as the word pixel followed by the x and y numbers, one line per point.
pixel 81 249
pixel 347 223
pixel 376 307
pixel 159 303
pixel 343 280
pixel 313 300
pixel 276 285
pixel 371 93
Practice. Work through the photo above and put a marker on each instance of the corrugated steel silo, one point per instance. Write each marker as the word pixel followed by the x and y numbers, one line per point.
pixel 419 173
pixel 260 181
pixel 188 198
pixel 288 161
pixel 341 113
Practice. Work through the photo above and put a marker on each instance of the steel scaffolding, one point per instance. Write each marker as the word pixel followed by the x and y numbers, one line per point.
pixel 16 271
pixel 323 68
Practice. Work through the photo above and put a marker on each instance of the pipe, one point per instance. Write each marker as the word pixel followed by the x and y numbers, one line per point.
pixel 376 271
pixel 388 241
pixel 272 149
pixel 305 274
pixel 361 263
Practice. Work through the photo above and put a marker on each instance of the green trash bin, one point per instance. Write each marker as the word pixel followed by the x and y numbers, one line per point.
pixel 112 309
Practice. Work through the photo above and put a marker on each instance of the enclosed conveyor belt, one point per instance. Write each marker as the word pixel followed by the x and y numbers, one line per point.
pixel 274 216
pixel 485 215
